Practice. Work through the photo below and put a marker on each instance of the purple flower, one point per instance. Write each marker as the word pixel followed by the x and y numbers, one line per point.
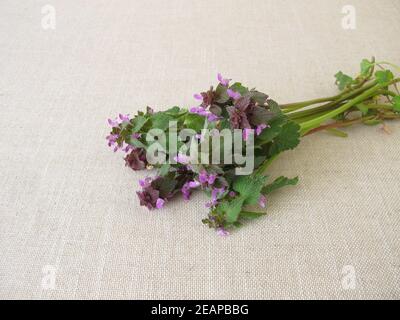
pixel 144 183
pixel 260 128
pixel 232 94
pixel 262 201
pixel 212 117
pixel 113 123
pixel 246 133
pixel 160 203
pixel 182 158
pixel 203 177
pixel 232 194
pixel 222 232
pixel 215 194
pixel 238 113
pixel 149 197
pixel 222 81
pixel 186 189
pixel 211 179
pixel 136 160
pixel 203 112
pixel 128 148
pixel 198 96
pixel 124 118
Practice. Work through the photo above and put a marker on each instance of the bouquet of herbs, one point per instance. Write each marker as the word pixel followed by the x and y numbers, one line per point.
pixel 224 144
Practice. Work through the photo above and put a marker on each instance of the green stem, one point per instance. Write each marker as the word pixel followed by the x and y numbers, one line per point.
pixel 309 125
pixel 265 165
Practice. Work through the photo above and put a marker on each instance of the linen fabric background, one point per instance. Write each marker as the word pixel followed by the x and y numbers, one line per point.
pixel 68 206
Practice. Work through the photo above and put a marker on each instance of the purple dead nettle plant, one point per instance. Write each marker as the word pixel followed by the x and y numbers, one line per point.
pixel 369 98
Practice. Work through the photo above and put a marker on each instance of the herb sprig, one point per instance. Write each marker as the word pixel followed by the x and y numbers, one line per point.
pixel 370 98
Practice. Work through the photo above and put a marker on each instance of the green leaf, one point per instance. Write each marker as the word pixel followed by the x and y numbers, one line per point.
pixel 194 121
pixel 366 67
pixel 343 80
pixel 260 115
pixel 274 106
pixel 175 111
pixel 337 132
pixel 163 171
pixel 384 76
pixel 232 209
pixel 279 183
pixel 258 97
pixel 396 103
pixel 161 120
pixel 136 143
pixel 372 122
pixel 237 87
pixel 222 95
pixel 249 187
pixel 288 139
pixel 275 128
pixel 138 122
pixel 251 215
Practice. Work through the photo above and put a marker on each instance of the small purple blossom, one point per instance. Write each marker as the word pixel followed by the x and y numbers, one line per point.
pixel 136 160
pixel 198 96
pixel 234 95
pixel 222 232
pixel 113 123
pixel 222 81
pixel 260 128
pixel 232 194
pixel 144 183
pixel 160 203
pixel 215 194
pixel 246 133
pixel 205 113
pixel 186 189
pixel 203 177
pixel 262 201
pixel 211 179
pixel 182 158
pixel 124 118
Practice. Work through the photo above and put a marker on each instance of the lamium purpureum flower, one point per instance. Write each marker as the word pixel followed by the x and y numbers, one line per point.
pixel 124 118
pixel 260 128
pixel 136 160
pixel 222 232
pixel 207 98
pixel 238 113
pixel 232 94
pixel 222 81
pixel 150 196
pixel 262 201
pixel 112 141
pixel 182 158
pixel 205 113
pixel 215 195
pixel 206 179
pixel 187 188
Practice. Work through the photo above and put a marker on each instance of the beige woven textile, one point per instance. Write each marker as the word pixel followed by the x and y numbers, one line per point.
pixel 68 208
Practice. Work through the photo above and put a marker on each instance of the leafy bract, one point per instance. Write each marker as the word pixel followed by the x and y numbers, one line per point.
pixel 288 139
pixel 384 76
pixel 279 183
pixel 343 80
